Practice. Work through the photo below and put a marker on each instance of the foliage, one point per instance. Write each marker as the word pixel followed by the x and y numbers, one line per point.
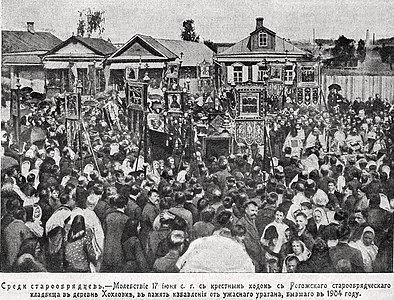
pixel 343 51
pixel 361 50
pixel 90 22
pixel 387 55
pixel 211 45
pixel 188 32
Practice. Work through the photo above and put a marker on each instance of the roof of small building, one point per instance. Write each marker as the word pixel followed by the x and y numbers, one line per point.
pixel 98 45
pixel 25 41
pixel 281 45
pixel 193 53
pixel 25 59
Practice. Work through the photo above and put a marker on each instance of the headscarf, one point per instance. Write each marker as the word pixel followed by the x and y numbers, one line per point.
pixel 280 228
pixel 294 208
pixel 305 255
pixel 35 226
pixel 284 267
pixel 368 253
pixel 324 218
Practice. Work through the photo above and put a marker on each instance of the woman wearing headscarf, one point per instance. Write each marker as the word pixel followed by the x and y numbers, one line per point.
pixel 132 249
pixel 280 229
pixel 299 250
pixel 318 223
pixel 79 251
pixel 367 247
pixel 33 220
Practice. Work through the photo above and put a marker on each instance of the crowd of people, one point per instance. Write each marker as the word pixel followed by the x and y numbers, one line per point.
pixel 320 201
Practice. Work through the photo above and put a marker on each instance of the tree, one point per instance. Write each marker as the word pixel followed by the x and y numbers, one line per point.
pixel 343 51
pixel 211 45
pixel 90 22
pixel 361 50
pixel 387 55
pixel 188 32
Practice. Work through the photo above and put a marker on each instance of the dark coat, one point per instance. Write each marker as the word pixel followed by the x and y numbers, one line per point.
pixel 319 262
pixel 14 234
pixel 312 228
pixel 379 219
pixel 264 217
pixel 133 210
pixel 252 242
pixel 113 258
pixel 344 251
pixel 134 256
pixel 148 216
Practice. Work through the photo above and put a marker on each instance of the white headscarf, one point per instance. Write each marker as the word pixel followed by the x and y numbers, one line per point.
pixel 368 253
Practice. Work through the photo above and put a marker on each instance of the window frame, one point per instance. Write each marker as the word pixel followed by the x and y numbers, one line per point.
pixel 304 70
pixel 263 39
pixel 237 74
pixel 289 75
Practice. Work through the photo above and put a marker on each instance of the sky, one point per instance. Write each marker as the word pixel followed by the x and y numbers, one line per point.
pixel 219 21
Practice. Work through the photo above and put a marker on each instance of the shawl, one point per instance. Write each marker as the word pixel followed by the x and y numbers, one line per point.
pixel 368 253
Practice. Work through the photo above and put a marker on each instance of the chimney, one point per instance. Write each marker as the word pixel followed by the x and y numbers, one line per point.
pixel 373 39
pixel 259 22
pixel 30 27
pixel 367 39
pixel 313 37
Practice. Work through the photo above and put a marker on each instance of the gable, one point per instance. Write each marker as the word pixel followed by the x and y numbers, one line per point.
pixel 268 38
pixel 137 49
pixel 74 48
pixel 142 46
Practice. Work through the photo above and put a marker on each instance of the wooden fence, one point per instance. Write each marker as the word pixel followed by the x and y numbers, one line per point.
pixel 362 86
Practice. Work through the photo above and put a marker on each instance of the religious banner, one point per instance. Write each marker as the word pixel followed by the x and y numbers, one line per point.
pixel 156 122
pixel 135 95
pixel 218 123
pixel 205 69
pixel 72 106
pixel 131 74
pixel 174 102
pixel 172 70
pixel 73 134
pixel 249 132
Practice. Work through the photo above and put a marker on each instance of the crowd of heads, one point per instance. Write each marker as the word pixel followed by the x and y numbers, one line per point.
pixel 290 213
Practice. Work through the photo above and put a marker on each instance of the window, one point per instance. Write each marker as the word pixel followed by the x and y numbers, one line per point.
pixel 238 74
pixel 263 39
pixel 263 71
pixel 307 74
pixel 289 74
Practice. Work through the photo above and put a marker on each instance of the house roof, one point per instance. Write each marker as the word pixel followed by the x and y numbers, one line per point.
pixel 281 45
pixel 24 59
pixel 24 41
pixel 193 53
pixel 265 29
pixel 97 45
